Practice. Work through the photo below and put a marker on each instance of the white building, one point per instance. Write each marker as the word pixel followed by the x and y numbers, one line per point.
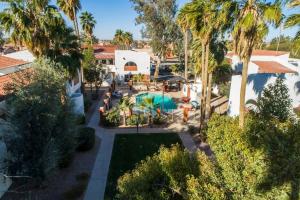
pixel 264 67
pixel 128 63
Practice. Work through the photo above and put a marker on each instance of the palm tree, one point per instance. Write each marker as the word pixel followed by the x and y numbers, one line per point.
pixel 183 22
pixel 206 18
pixel 294 20
pixel 128 39
pixel 71 8
pixel 251 26
pixel 30 24
pixel 118 38
pixel 125 105
pixel 148 105
pixel 218 51
pixel 88 23
pixel 41 28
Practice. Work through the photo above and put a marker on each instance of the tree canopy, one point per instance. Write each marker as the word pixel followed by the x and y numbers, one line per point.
pixel 41 117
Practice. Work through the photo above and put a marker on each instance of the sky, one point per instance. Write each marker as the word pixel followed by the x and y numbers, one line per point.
pixel 119 14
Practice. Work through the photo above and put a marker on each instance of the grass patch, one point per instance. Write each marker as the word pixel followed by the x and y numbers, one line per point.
pixel 130 149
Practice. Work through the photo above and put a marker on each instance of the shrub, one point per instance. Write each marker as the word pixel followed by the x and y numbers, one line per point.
pixel 80 120
pixel 85 139
pixel 132 120
pixel 41 112
pixel 111 118
pixel 159 120
pixel 66 159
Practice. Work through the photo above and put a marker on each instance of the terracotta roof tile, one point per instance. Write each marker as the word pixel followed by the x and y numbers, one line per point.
pixel 104 56
pixel 6 62
pixel 272 67
pixel 262 53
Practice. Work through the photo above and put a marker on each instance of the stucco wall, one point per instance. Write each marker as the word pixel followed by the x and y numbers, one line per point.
pixel 142 60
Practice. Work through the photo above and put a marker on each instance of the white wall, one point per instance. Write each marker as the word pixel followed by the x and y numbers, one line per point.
pixel 21 55
pixel 142 60
pixel 256 83
pixel 195 92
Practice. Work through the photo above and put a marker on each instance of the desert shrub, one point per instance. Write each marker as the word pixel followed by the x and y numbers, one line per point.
pixel 159 120
pixel 111 118
pixel 224 89
pixel 132 120
pixel 80 120
pixel 85 139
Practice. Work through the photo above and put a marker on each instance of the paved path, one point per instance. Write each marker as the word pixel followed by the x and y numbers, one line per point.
pixel 96 187
pixel 188 142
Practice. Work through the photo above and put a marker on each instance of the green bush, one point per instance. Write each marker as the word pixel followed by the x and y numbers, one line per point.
pixel 66 160
pixel 80 120
pixel 159 120
pixel 111 118
pixel 85 139
pixel 132 120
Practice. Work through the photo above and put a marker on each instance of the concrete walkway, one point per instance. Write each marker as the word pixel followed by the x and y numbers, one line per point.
pixel 188 142
pixel 96 187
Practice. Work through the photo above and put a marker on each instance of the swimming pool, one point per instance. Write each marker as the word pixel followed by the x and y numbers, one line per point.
pixel 164 102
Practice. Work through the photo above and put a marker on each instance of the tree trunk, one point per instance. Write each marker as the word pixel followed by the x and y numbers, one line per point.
pixel 157 69
pixel 209 95
pixel 76 23
pixel 202 82
pixel 243 92
pixel 186 55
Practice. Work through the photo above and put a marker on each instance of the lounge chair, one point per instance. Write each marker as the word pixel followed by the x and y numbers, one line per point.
pixel 195 105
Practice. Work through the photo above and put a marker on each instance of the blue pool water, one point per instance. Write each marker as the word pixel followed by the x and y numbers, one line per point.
pixel 160 101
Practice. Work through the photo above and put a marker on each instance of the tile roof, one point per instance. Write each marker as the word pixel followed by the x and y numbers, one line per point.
pixel 6 62
pixel 272 67
pixel 262 53
pixel 104 56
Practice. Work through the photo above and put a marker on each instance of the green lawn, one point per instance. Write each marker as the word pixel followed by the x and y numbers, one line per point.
pixel 129 149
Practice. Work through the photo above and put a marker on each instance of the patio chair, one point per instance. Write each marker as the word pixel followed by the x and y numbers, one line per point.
pixel 195 105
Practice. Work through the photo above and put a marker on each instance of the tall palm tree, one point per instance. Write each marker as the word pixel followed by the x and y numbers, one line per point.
pixel 218 51
pixel 251 26
pixel 118 38
pixel 128 39
pixel 182 20
pixel 71 8
pixel 30 24
pixel 206 18
pixel 88 23
pixel 294 20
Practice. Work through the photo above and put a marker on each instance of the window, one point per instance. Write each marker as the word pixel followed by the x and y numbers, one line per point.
pixel 130 66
